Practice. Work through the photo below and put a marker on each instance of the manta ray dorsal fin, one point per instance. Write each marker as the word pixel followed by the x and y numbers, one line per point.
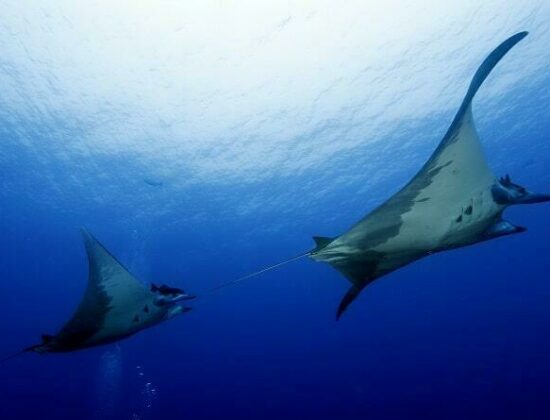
pixel 321 242
pixel 111 292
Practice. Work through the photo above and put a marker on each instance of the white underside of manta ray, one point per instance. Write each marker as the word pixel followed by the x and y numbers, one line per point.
pixel 453 201
pixel 115 305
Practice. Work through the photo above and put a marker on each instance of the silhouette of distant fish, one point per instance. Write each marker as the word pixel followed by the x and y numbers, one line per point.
pixel 153 182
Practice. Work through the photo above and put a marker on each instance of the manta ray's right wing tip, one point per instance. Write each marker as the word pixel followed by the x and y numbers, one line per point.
pixel 479 77
pixel 490 62
pixel 506 45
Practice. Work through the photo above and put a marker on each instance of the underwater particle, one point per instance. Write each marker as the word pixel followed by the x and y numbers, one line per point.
pixel 148 393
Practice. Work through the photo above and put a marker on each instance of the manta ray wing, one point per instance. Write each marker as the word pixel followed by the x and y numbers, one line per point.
pixel 416 220
pixel 108 306
pixel 455 171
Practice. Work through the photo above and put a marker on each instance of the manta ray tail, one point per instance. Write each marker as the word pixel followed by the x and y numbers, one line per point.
pixel 19 353
pixel 320 243
pixel 256 273
pixel 13 356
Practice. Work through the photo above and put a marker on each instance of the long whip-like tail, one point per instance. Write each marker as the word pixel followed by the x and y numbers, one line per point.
pixel 19 353
pixel 256 273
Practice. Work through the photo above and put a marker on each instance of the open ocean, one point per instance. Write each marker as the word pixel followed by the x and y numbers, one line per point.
pixel 202 141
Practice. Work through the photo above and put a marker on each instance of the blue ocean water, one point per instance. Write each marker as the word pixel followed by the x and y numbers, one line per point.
pixel 201 142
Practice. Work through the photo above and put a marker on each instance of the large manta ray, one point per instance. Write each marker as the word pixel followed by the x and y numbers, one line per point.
pixel 115 305
pixel 453 201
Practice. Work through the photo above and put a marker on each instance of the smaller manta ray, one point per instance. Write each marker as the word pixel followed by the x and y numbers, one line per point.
pixel 115 305
pixel 455 200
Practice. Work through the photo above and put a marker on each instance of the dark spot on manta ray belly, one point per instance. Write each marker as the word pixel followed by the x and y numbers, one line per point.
pixel 459 219
pixel 423 200
pixel 469 210
pixel 146 309
pixel 136 319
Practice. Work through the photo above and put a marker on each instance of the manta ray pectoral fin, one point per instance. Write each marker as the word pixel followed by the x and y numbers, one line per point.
pixel 455 169
pixel 111 292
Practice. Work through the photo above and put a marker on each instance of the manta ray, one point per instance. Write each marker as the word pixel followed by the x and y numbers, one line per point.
pixel 115 305
pixel 454 200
